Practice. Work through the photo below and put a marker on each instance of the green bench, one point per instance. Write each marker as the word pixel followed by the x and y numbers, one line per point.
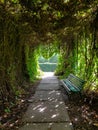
pixel 73 84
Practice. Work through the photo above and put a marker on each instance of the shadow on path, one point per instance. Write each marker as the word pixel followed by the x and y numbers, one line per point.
pixel 47 110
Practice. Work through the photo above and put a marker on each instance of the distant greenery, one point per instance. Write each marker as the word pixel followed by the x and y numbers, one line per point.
pixel 53 59
pixel 48 65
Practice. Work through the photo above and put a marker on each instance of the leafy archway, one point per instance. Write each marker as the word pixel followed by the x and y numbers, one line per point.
pixel 69 28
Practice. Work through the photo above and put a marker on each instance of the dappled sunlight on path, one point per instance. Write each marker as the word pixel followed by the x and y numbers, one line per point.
pixel 47 107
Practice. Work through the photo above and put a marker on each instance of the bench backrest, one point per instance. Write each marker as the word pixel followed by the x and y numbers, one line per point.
pixel 77 82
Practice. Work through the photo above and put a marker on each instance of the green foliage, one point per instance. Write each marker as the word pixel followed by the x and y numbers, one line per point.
pixel 14 1
pixel 48 50
pixel 81 60
pixel 31 62
pixel 31 28
pixel 7 110
pixel 60 67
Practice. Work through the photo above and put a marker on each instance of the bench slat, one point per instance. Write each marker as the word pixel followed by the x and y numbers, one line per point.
pixel 72 88
pixel 77 78
pixel 76 83
pixel 73 84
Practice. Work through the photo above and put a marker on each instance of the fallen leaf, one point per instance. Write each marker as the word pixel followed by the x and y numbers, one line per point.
pixel 95 124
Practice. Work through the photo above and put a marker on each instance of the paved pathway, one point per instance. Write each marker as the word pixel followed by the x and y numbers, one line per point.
pixel 47 110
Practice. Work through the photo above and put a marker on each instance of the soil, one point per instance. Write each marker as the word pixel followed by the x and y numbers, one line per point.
pixel 83 117
pixel 83 114
pixel 12 119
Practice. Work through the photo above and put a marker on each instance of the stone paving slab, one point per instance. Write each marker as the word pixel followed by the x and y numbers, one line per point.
pixel 48 111
pixel 49 80
pixel 54 111
pixel 51 77
pixel 46 96
pixel 48 86
pixel 47 126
